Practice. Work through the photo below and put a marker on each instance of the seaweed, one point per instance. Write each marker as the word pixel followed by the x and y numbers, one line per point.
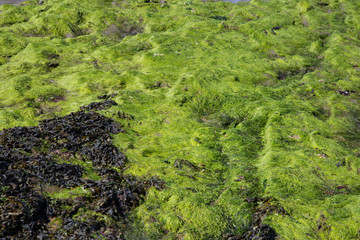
pixel 96 106
pixel 217 100
pixel 28 166
pixel 345 92
pixel 107 96
pixel 258 229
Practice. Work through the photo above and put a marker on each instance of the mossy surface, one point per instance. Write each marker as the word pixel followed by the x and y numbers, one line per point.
pixel 226 103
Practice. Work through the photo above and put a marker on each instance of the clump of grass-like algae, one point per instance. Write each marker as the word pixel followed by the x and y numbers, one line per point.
pixel 239 108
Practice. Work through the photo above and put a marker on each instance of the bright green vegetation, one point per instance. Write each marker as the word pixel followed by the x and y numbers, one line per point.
pixel 225 109
pixel 75 192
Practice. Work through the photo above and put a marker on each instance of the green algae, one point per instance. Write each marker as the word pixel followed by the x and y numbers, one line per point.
pixel 254 110
pixel 69 193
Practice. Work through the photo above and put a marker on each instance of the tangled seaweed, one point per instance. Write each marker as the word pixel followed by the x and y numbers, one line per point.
pixel 29 160
pixel 259 230
pixel 96 106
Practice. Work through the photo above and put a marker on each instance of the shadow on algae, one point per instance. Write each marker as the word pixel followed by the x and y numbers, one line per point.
pixel 180 119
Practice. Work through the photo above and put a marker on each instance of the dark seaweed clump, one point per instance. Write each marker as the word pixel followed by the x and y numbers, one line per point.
pixel 258 230
pixel 96 106
pixel 35 159
pixel 345 92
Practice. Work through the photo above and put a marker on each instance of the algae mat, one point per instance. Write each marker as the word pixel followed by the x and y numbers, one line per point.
pixel 248 112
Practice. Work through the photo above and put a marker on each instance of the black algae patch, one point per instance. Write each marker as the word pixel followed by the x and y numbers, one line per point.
pixel 35 159
pixel 258 230
pixel 96 106
pixel 345 92
pixel 81 132
pixel 263 208
pixel 275 28
pixel 107 96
